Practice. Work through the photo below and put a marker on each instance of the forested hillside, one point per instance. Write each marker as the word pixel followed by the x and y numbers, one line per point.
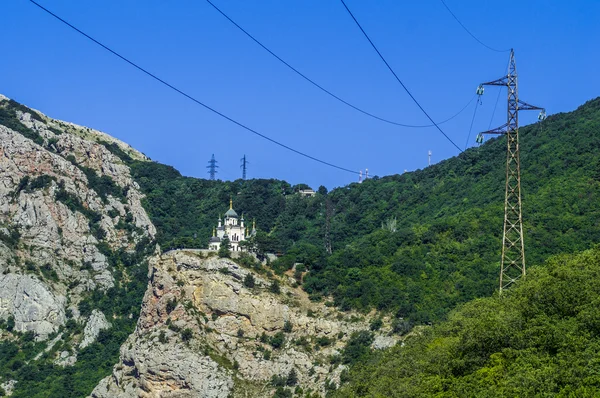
pixel 418 243
pixel 541 338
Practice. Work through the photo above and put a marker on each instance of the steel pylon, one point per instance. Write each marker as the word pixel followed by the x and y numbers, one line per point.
pixel 212 167
pixel 512 265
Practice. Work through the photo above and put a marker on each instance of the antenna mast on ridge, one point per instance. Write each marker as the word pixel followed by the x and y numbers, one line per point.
pixel 513 245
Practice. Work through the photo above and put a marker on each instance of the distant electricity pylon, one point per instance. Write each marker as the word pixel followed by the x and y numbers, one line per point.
pixel 212 167
pixel 244 167
pixel 513 245
pixel 429 158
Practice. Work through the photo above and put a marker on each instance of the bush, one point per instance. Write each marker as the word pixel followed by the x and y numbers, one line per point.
pixel 282 393
pixel 171 305
pixel 275 288
pixel 224 249
pixel 249 281
pixel 376 324
pixel 323 341
pixel 264 338
pixel 292 378
pixel 10 323
pixel 162 337
pixel 357 347
pixel 277 340
pixel 401 326
pixel 186 334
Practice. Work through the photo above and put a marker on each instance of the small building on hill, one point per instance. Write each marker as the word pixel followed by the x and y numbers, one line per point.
pixel 307 193
pixel 231 227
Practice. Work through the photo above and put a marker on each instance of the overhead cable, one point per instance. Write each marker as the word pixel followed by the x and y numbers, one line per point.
pixel 471 128
pixel 469 32
pixel 494 111
pixel 188 96
pixel 317 85
pixel 398 79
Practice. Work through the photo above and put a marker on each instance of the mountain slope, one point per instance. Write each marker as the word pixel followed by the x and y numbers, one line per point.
pixel 73 236
pixel 447 219
pixel 541 338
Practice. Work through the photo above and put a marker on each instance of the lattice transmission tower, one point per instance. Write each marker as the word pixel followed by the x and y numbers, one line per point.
pixel 513 245
pixel 244 167
pixel 212 167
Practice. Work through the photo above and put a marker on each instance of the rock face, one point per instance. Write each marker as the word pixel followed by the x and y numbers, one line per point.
pixel 203 333
pixel 96 322
pixel 62 196
pixel 33 306
pixel 71 229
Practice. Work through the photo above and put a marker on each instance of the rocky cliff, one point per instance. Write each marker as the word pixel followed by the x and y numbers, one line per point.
pixel 211 328
pixel 76 251
pixel 68 208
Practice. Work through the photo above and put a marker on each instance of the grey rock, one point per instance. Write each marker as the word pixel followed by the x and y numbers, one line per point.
pixel 96 322
pixel 226 320
pixel 8 387
pixel 172 370
pixel 32 304
pixel 381 342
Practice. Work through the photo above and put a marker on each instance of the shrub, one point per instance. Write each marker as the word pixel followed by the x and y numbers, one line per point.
pixel 287 327
pixel 277 340
pixel 323 341
pixel 275 288
pixel 292 378
pixel 171 304
pixel 376 324
pixel 278 381
pixel 401 326
pixel 10 323
pixel 282 393
pixel 358 347
pixel 186 334
pixel 249 281
pixel 162 337
pixel 264 338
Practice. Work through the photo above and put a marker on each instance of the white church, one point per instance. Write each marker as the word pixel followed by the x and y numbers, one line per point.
pixel 232 228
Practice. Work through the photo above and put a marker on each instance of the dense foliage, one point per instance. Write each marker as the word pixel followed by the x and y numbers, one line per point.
pixel 418 243
pixel 541 338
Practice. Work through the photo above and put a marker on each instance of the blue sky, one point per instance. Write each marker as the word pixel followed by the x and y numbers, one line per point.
pixel 47 66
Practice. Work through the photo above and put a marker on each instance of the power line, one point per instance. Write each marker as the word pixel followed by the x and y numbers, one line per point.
pixel 471 128
pixel 397 78
pixel 494 111
pixel 317 85
pixel 192 98
pixel 469 32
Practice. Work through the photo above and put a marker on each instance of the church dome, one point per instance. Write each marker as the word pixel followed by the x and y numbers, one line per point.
pixel 231 213
pixel 214 239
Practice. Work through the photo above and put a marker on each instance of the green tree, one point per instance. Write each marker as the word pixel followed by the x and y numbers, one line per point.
pixel 292 378
pixel 249 281
pixel 224 249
